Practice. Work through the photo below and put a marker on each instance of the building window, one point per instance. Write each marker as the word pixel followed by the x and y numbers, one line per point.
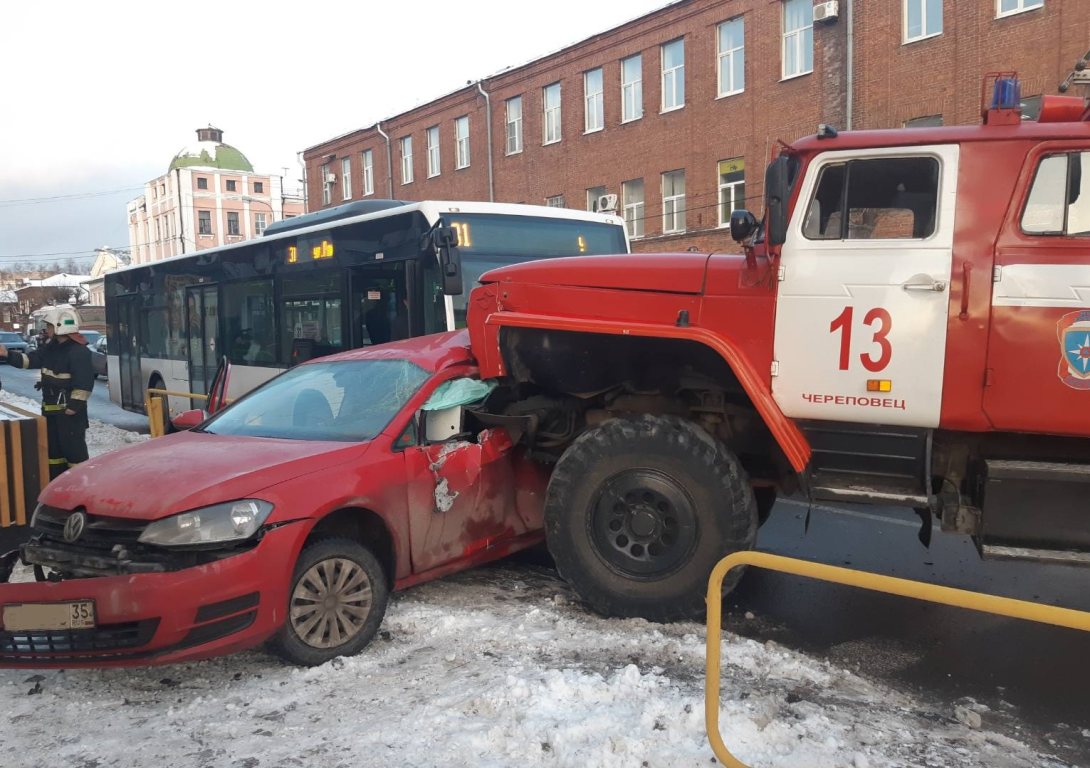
pixel 928 121
pixel 732 57
pixel 1059 201
pixel 550 100
pixel 632 200
pixel 259 224
pixel 232 223
pixel 1011 7
pixel 407 160
pixel 259 187
pixel 673 202
pixel 204 222
pixel 368 172
pixel 632 88
pixel 346 178
pixel 798 37
pixel 594 194
pixel 556 201
pixel 673 75
pixel 327 186
pixel 594 109
pixel 732 188
pixel 514 125
pixel 432 137
pixel 202 182
pixel 461 142
pixel 232 185
pixel 922 18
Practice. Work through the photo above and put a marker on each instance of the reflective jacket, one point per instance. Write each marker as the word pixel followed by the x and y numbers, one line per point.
pixel 67 373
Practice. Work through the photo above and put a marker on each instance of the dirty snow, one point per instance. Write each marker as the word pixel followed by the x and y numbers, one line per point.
pixel 495 667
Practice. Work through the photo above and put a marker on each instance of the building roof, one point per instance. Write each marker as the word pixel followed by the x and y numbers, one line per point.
pixel 211 152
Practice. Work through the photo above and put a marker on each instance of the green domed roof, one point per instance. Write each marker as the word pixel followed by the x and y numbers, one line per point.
pixel 211 152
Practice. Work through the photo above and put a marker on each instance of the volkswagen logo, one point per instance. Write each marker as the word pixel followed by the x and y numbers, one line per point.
pixel 74 525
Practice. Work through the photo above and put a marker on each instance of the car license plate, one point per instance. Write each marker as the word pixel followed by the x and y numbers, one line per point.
pixel 42 616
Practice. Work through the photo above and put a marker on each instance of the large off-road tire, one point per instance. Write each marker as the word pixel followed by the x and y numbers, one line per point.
pixel 336 601
pixel 638 512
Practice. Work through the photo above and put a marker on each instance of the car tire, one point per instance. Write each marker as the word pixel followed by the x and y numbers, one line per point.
pixel 638 512
pixel 316 631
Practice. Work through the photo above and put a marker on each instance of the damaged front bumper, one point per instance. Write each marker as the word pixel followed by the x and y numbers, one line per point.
pixel 144 618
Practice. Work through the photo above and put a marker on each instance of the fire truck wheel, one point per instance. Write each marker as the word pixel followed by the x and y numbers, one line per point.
pixel 336 601
pixel 639 511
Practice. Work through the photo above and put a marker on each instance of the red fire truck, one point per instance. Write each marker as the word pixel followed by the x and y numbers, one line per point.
pixel 908 325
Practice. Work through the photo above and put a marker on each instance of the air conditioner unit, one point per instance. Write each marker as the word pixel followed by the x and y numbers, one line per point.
pixel 331 178
pixel 607 203
pixel 826 11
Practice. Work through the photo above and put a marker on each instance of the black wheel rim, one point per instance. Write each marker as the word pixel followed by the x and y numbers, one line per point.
pixel 643 524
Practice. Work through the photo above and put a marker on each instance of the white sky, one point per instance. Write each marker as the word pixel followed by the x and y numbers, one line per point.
pixel 99 96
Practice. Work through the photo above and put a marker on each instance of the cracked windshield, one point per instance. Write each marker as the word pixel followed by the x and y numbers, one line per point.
pixel 347 401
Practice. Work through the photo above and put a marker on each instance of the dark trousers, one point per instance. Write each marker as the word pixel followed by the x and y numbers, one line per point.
pixel 67 441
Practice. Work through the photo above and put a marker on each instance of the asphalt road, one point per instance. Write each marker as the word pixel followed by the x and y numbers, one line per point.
pixel 1033 678
pixel 20 382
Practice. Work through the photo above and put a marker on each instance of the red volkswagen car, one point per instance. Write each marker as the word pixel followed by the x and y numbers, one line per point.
pixel 286 518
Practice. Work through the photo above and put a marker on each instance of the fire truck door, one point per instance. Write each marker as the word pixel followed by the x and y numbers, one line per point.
pixel 864 293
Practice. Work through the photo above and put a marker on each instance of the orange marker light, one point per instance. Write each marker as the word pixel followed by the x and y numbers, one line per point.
pixel 879 385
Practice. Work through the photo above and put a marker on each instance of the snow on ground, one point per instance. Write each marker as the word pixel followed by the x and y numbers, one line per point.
pixel 500 666
pixel 101 437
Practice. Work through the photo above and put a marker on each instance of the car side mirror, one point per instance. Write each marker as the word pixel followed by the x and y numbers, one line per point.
pixel 445 242
pixel 443 424
pixel 742 225
pixel 189 419
pixel 777 191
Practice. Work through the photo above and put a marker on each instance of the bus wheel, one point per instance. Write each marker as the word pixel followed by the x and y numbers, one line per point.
pixel 336 601
pixel 639 511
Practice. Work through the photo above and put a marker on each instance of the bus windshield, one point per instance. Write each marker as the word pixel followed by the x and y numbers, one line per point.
pixel 345 401
pixel 487 241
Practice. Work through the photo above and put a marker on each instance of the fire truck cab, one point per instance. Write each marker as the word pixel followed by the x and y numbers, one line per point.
pixel 908 325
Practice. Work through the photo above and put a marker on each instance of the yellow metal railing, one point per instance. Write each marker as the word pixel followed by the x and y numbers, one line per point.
pixel 155 406
pixel 932 593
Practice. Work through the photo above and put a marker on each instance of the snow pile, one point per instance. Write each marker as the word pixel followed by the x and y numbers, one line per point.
pixel 494 667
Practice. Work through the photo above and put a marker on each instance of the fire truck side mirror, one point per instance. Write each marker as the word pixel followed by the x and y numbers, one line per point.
pixel 742 225
pixel 777 191
pixel 445 241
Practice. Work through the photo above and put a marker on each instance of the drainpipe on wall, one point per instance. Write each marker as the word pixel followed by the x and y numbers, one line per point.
pixel 488 133
pixel 303 165
pixel 181 207
pixel 389 163
pixel 851 61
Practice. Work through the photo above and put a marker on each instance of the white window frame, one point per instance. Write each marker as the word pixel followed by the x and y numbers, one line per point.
pixel 795 36
pixel 327 188
pixel 670 206
pixel 1021 6
pixel 594 116
pixel 431 137
pixel 554 201
pixel 346 178
pixel 552 117
pixel 674 74
pixel 259 224
pixel 633 87
pixel 633 209
pixel 367 160
pixel 727 57
pixel 729 188
pixel 406 160
pixel 461 142
pixel 592 197
pixel 924 34
pixel 513 123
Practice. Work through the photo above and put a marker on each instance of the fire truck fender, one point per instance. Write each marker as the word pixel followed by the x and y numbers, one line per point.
pixel 792 442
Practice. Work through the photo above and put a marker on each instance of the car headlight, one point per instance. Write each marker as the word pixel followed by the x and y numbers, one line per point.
pixel 220 523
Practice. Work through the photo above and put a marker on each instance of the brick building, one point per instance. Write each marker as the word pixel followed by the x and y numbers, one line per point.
pixel 677 112
pixel 209 196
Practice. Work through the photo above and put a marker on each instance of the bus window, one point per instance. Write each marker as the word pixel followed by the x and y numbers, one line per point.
pixel 248 322
pixel 310 316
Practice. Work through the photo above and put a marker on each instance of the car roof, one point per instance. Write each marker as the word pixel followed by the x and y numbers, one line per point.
pixel 432 353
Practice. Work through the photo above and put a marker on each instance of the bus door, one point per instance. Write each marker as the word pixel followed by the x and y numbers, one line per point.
pixel 128 353
pixel 394 300
pixel 202 316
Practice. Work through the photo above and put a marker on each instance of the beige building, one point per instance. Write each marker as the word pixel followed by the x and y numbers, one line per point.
pixel 209 196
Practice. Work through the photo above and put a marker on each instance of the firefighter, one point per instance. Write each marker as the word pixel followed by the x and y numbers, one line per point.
pixel 66 383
